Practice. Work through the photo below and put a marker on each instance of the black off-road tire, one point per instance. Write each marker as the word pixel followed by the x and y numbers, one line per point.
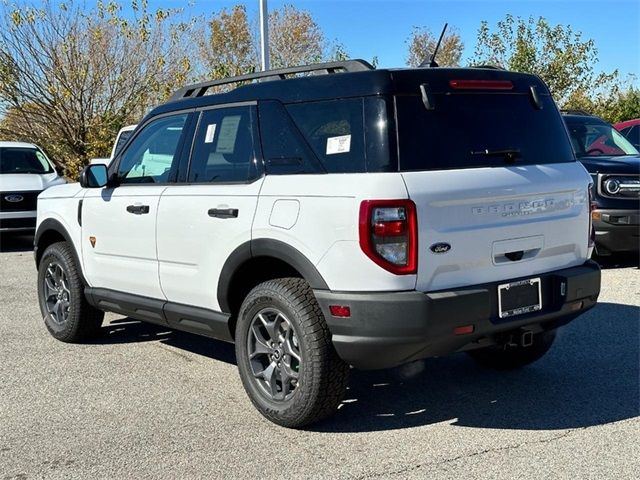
pixel 83 321
pixel 323 376
pixel 514 357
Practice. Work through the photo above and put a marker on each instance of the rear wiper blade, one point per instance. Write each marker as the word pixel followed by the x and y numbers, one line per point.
pixel 509 154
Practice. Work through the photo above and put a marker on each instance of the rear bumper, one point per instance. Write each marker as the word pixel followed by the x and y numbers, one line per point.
pixel 392 328
pixel 617 230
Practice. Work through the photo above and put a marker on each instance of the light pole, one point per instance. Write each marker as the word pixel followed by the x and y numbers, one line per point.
pixel 264 35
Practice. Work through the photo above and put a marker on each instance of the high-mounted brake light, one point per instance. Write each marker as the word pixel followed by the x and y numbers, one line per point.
pixel 389 234
pixel 481 84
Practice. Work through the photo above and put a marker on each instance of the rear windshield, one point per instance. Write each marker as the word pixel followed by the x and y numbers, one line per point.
pixel 23 160
pixel 469 130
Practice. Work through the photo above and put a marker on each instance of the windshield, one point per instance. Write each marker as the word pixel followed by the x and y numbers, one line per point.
pixel 473 130
pixel 23 160
pixel 593 138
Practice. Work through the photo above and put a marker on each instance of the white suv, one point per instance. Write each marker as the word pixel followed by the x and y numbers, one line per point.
pixel 25 171
pixel 361 217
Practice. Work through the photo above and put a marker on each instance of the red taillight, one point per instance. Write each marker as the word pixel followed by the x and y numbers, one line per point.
pixel 389 234
pixel 389 229
pixel 481 84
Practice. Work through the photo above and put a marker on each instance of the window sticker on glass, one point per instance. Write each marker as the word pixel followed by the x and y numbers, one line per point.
pixel 341 144
pixel 228 134
pixel 211 132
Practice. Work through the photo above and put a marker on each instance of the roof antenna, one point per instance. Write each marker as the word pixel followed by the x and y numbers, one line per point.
pixel 432 62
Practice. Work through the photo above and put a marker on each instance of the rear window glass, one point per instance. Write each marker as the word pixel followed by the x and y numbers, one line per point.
pixel 346 135
pixel 23 160
pixel 470 130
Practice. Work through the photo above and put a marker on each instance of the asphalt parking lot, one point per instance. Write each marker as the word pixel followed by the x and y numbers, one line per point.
pixel 143 402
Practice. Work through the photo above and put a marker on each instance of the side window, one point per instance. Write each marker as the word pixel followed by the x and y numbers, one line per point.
pixel 223 149
pixel 154 153
pixel 334 130
pixel 285 150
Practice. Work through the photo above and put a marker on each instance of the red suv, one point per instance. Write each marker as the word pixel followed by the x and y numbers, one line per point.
pixel 630 130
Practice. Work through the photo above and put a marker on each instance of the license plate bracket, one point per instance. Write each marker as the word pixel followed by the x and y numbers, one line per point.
pixel 518 298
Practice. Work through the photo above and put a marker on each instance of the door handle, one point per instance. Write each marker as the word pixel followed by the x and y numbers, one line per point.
pixel 138 209
pixel 223 212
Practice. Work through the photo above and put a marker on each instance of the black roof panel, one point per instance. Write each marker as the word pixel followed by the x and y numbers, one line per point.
pixel 353 84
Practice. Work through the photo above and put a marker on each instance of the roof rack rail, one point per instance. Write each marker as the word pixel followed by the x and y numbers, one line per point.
pixel 575 112
pixel 199 89
pixel 488 66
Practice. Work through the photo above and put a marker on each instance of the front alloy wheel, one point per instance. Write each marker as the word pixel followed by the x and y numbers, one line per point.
pixel 57 296
pixel 66 312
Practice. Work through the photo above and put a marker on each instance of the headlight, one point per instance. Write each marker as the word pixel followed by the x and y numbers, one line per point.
pixel 612 186
pixel 620 186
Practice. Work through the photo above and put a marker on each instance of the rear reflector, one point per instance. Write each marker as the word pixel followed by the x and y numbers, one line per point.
pixel 340 311
pixel 481 84
pixel 464 330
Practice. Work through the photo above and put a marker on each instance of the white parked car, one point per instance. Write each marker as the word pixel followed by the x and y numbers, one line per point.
pixel 25 171
pixel 355 217
pixel 120 141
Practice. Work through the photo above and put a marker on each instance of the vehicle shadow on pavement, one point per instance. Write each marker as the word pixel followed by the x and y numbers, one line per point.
pixel 128 330
pixel 590 377
pixel 16 243
pixel 621 260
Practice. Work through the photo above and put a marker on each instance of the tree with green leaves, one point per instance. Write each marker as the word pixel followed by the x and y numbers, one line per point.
pixel 228 48
pixel 559 55
pixel 70 78
pixel 230 45
pixel 422 42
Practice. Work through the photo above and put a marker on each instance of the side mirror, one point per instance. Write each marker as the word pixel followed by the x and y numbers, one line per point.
pixel 94 176
pixel 59 170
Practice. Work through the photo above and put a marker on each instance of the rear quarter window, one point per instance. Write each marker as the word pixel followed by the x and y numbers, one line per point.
pixel 334 130
pixel 348 135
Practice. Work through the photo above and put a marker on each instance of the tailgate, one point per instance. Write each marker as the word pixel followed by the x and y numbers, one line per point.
pixel 501 223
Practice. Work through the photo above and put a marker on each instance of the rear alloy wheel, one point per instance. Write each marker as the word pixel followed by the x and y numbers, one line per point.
pixel 274 354
pixel 66 312
pixel 286 360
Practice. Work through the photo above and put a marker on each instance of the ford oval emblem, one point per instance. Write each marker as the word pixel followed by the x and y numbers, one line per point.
pixel 14 198
pixel 440 247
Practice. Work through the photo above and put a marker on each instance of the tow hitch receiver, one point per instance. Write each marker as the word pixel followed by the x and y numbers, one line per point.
pixel 517 338
pixel 526 338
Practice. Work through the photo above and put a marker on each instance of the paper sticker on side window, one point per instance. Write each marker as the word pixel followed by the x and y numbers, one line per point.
pixel 211 132
pixel 341 144
pixel 228 134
